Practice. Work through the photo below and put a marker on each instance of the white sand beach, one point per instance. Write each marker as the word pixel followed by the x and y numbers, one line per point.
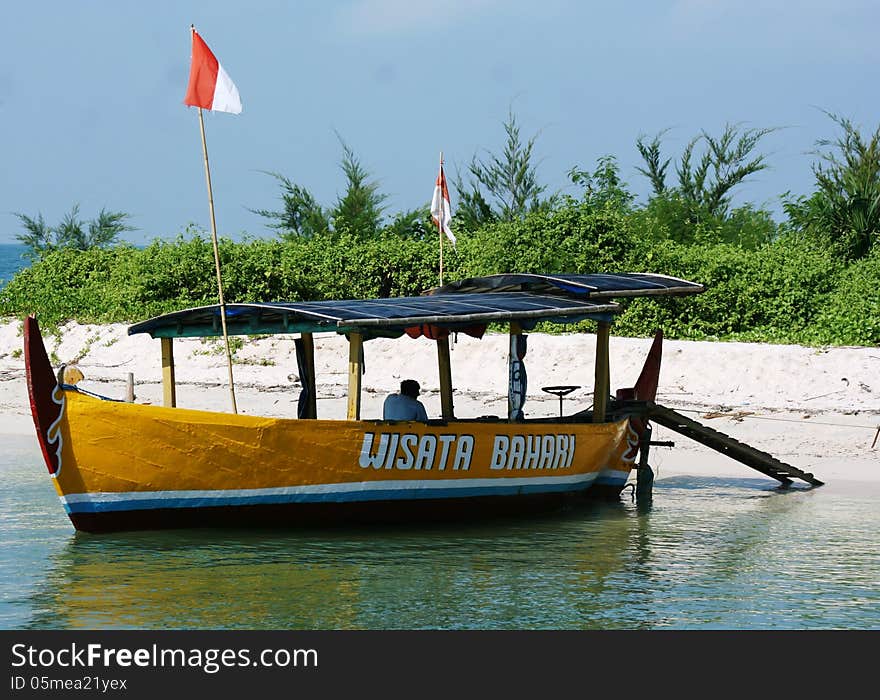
pixel 816 408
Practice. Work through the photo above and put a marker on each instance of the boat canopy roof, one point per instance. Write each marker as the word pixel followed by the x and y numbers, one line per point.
pixel 526 299
pixel 594 286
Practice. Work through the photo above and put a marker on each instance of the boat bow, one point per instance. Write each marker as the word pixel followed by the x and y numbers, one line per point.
pixel 46 396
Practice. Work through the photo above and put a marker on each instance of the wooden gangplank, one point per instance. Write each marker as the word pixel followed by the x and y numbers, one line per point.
pixel 726 445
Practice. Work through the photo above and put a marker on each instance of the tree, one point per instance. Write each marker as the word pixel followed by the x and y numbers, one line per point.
pixel 359 211
pixel 38 235
pixel 502 187
pixel 301 216
pixel 726 161
pixel 361 208
pixel 710 167
pixel 845 208
pixel 413 223
pixel 655 166
pixel 604 186
pixel 72 232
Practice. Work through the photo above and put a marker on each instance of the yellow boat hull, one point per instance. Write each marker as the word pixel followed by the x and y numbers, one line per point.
pixel 122 466
pixel 125 465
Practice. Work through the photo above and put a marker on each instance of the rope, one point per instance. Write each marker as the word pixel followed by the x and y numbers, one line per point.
pixel 781 420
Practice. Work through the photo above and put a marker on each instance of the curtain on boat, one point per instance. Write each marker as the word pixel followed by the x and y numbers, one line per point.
pixel 302 406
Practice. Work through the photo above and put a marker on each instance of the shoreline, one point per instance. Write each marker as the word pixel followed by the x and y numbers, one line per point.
pixel 817 408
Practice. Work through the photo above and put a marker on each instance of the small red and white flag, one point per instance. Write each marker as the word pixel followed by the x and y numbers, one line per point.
pixel 440 209
pixel 210 87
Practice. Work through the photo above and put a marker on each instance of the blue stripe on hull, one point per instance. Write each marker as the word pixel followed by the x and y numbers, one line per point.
pixel 610 481
pixel 352 513
pixel 397 494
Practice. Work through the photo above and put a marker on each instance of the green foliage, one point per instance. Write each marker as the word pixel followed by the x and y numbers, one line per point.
pixel 850 315
pixel 387 265
pixel 171 274
pixel 604 186
pixel 726 162
pixel 358 212
pixel 72 232
pixel 845 208
pixel 574 238
pixel 415 223
pixel 71 284
pixel 671 216
pixel 655 167
pixel 698 209
pixel 772 294
pixel 790 290
pixel 37 236
pixel 794 282
pixel 301 215
pixel 502 187
pixel 748 227
pixel 127 284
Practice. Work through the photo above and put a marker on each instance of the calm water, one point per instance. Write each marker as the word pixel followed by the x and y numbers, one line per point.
pixel 11 261
pixel 711 553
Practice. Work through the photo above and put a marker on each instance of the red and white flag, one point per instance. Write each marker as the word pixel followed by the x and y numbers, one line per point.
pixel 440 210
pixel 210 87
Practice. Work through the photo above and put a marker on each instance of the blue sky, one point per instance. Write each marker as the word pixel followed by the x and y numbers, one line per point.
pixel 91 95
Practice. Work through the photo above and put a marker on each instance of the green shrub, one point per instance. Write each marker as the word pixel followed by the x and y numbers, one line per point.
pixel 89 285
pixel 789 290
pixel 772 294
pixel 574 238
pixel 851 312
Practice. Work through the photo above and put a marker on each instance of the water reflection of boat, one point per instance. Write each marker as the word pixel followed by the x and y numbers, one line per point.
pixel 120 465
pixel 550 571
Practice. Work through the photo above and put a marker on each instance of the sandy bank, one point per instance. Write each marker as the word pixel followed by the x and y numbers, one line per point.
pixel 815 408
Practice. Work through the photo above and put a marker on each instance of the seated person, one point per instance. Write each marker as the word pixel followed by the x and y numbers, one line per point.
pixel 406 404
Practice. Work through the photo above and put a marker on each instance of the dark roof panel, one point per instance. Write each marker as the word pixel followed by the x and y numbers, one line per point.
pixel 593 286
pixel 395 313
pixel 506 297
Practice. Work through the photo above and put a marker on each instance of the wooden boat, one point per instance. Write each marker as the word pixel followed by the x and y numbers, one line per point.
pixel 119 465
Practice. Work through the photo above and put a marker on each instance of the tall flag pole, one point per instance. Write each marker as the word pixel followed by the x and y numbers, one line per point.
pixel 210 87
pixel 441 212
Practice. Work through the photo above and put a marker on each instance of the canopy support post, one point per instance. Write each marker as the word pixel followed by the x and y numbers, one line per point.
pixel 355 368
pixel 308 344
pixel 602 385
pixel 169 389
pixel 447 410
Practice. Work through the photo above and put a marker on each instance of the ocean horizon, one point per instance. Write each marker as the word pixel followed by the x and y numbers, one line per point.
pixel 12 259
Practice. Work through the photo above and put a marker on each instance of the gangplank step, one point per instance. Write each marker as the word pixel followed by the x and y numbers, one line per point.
pixel 725 444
